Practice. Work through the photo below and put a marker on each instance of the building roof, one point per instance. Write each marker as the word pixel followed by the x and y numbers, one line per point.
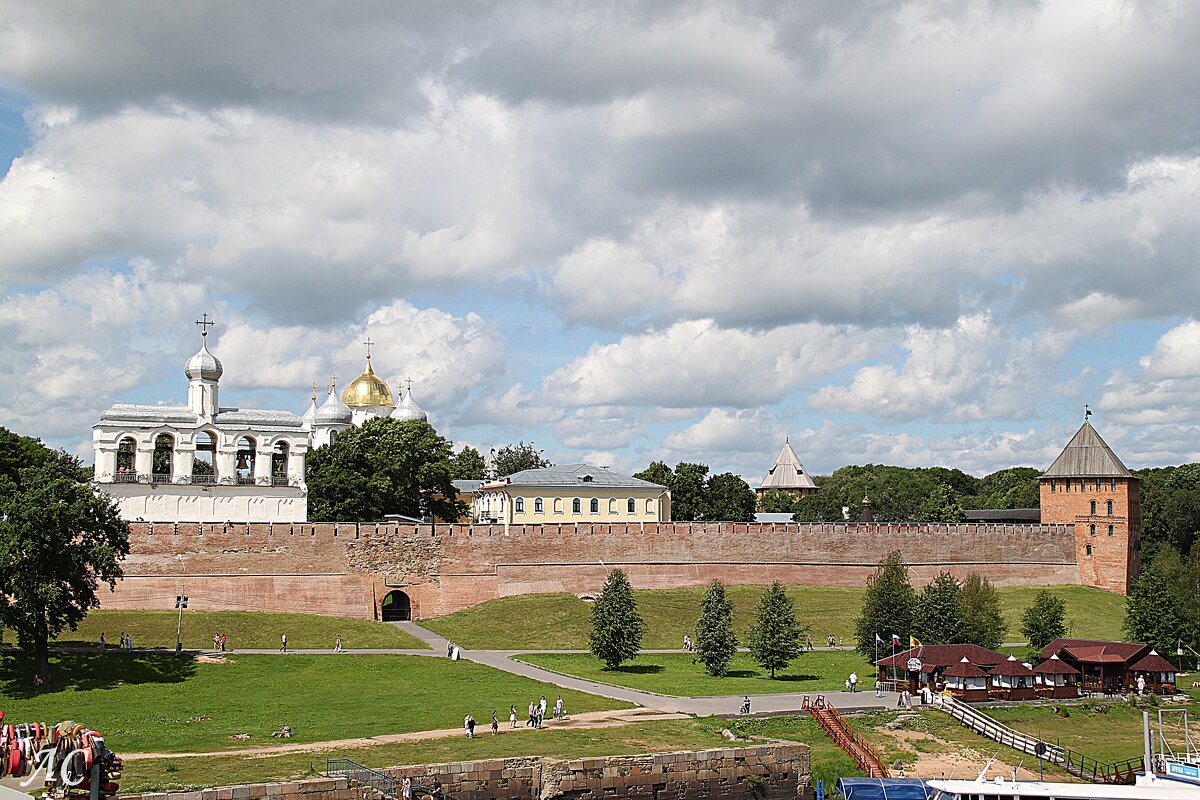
pixel 964 669
pixel 935 656
pixel 465 487
pixel 1011 666
pixel 1153 662
pixel 787 472
pixel 1087 456
pixel 1091 651
pixel 258 417
pixel 129 412
pixel 1055 666
pixel 573 475
pixel 773 516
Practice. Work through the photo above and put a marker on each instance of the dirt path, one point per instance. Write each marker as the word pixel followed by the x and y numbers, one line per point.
pixel 590 720
pixel 962 763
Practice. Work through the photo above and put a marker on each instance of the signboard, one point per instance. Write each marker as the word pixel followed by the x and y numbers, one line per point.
pixel 1183 770
pixel 914 665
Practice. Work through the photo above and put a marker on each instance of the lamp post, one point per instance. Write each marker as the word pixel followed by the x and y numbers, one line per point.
pixel 180 603
pixel 1179 653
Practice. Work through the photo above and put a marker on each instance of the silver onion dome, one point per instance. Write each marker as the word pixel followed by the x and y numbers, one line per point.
pixel 203 366
pixel 407 409
pixel 333 412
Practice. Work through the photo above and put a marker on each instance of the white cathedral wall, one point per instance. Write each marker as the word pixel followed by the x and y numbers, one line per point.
pixel 184 503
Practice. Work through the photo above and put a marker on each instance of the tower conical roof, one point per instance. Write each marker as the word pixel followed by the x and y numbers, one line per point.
pixel 1087 456
pixel 787 472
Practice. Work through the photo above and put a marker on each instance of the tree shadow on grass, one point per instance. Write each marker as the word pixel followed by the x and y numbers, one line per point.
pixel 638 669
pixel 84 671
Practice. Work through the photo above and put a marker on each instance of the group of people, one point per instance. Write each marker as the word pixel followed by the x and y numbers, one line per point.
pixel 537 716
pixel 126 642
pixel 219 642
pixel 688 645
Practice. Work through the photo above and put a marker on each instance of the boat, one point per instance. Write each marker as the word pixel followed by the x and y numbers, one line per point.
pixel 1181 761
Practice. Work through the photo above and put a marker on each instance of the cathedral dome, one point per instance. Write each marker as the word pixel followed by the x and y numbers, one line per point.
pixel 203 366
pixel 333 412
pixel 367 390
pixel 407 409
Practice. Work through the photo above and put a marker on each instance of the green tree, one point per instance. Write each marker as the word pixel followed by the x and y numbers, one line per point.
pixel 715 641
pixel 728 498
pixel 616 625
pixel 1170 508
pixel 1045 620
pixel 940 505
pixel 983 621
pixel 688 485
pixel 513 458
pixel 888 605
pixel 780 502
pixel 58 541
pixel 1015 487
pixel 775 636
pixel 467 465
pixel 387 466
pixel 658 472
pixel 939 617
pixel 1152 614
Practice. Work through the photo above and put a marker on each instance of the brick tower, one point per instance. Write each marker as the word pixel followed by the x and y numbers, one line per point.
pixel 1088 487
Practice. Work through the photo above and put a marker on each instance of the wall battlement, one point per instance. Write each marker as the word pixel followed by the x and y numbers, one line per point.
pixel 347 568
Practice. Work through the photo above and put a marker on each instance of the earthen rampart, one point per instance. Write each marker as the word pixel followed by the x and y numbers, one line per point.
pixel 346 569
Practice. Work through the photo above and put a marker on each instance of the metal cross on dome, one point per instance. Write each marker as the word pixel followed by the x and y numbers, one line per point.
pixel 368 343
pixel 204 322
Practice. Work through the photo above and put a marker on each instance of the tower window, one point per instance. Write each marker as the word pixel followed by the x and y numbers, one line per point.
pixel 1093 508
pixel 1053 485
pixel 1097 484
pixel 1089 550
pixel 1093 530
pixel 1110 530
pixel 1082 487
pixel 1114 484
pixel 519 505
pixel 1110 508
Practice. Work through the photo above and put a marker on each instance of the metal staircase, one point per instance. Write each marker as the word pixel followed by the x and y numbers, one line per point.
pixel 846 738
pixel 384 785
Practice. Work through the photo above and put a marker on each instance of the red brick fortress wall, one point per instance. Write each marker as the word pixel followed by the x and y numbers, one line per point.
pixel 345 569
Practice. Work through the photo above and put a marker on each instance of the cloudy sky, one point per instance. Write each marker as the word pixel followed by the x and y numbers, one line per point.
pixel 903 232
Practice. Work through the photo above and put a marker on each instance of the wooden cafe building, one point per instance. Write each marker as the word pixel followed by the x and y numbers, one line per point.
pixel 1112 667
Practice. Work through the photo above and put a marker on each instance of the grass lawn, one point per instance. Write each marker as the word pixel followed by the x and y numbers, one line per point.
pixel 142 702
pixel 243 629
pixel 641 737
pixel 675 674
pixel 563 621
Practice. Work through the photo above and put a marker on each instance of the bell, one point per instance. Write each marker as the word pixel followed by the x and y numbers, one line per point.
pixel 242 463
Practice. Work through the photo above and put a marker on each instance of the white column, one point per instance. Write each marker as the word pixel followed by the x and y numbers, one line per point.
pixel 183 462
pixel 143 460
pixel 106 463
pixel 262 464
pixel 295 470
pixel 227 463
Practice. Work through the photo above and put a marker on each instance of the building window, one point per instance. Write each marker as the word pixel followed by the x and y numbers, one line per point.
pixel 538 506
pixel 649 506
pixel 1098 485
pixel 1110 508
pixel 1082 486
pixel 1093 508
pixel 576 506
pixel 1093 530
pixel 594 506
pixel 1053 485
pixel 1110 530
pixel 612 505
pixel 558 505
pixel 1089 549
pixel 519 505
pixel 631 506
pixel 1114 484
pixel 1067 485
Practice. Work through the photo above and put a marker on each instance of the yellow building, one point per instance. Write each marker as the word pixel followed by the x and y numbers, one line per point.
pixel 570 493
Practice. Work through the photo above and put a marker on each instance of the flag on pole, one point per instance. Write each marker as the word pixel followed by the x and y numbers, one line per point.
pixel 914 642
pixel 895 639
pixel 878 641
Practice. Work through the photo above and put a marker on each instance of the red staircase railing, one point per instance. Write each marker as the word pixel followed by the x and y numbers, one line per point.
pixel 845 737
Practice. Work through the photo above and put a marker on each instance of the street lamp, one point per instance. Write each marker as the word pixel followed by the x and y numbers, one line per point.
pixel 180 603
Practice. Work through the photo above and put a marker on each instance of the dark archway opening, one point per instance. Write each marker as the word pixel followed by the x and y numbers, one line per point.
pixel 396 607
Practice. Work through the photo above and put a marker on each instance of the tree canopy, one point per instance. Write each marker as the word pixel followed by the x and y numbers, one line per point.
pixel 888 605
pixel 1163 606
pixel 983 620
pixel 616 624
pixel 697 496
pixel 59 541
pixel 513 458
pixel 387 466
pixel 467 465
pixel 715 640
pixel 775 636
pixel 1045 620
pixel 939 613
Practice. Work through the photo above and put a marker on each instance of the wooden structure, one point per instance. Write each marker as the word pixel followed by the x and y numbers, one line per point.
pixel 1114 667
pixel 1012 680
pixel 1056 680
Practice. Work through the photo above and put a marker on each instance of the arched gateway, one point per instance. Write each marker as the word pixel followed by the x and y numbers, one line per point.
pixel 396 607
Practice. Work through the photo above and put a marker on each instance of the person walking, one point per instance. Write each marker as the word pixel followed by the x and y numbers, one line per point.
pixel 216 641
pixel 495 723
pixel 512 715
pixel 470 726
pixel 467 726
pixel 558 708
pixel 532 713
pixel 337 645
pixel 853 682
pixel 542 708
pixel 223 643
pixel 283 643
pixel 406 788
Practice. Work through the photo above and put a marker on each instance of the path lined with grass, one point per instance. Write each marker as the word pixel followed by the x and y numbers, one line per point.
pixel 677 675
pixel 243 630
pixel 563 621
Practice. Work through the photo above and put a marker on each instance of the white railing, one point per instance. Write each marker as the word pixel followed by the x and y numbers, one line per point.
pixel 986 726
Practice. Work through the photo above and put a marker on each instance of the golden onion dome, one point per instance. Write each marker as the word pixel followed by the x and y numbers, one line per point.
pixel 367 390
